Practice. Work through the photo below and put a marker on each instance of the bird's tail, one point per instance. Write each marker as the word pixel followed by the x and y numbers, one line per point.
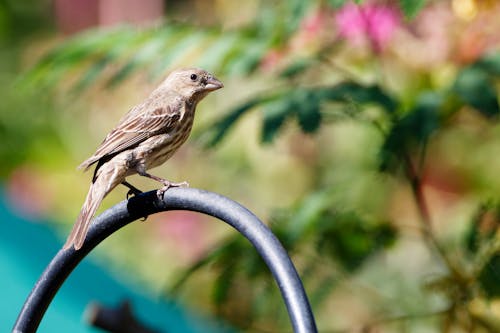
pixel 96 194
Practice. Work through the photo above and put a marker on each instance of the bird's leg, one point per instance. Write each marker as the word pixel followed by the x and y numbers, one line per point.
pixel 166 183
pixel 132 189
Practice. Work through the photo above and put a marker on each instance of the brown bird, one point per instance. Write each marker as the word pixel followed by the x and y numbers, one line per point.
pixel 147 136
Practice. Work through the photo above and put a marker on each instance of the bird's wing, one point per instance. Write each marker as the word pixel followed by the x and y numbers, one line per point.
pixel 135 128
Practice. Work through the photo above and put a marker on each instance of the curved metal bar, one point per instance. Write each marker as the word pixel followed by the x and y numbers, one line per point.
pixel 146 204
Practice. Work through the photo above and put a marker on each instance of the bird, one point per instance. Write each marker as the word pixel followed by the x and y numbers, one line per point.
pixel 145 137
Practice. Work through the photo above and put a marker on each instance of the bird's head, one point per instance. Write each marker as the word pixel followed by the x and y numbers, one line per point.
pixel 191 83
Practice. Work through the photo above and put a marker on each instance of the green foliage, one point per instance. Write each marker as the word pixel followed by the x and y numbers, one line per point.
pixel 351 240
pixel 336 3
pixel 483 227
pixel 475 85
pixel 21 19
pixel 490 63
pixel 233 52
pixel 412 7
pixel 343 237
pixel 135 49
pixel 490 276
pixel 411 132
pixel 305 104
pixel 483 245
pixel 296 68
pixel 347 238
pixel 275 114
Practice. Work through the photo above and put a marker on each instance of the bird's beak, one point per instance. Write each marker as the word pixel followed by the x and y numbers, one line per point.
pixel 213 84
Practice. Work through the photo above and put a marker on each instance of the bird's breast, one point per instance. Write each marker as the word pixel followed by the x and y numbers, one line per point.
pixel 159 148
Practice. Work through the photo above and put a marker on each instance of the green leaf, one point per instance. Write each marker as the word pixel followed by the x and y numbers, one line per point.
pixel 62 57
pixel 275 114
pixel 214 56
pixel 336 3
pixel 303 103
pixel 247 57
pixel 237 52
pixel 308 111
pixel 295 11
pixel 92 74
pixel 411 7
pixel 222 285
pixel 475 86
pixel 489 278
pixel 351 92
pixel 411 132
pixel 297 67
pixel 219 129
pixel 184 40
pixel 483 228
pixel 351 240
pixel 227 254
pixel 98 47
pixel 112 48
pixel 153 43
pixel 490 63
pixel 306 215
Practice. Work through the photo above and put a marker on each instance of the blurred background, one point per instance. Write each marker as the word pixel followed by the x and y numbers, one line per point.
pixel 365 134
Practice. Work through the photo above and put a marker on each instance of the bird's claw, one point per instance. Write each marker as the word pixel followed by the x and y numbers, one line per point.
pixel 132 192
pixel 181 184
pixel 160 193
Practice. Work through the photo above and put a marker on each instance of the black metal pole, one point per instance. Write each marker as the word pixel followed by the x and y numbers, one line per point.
pixel 146 204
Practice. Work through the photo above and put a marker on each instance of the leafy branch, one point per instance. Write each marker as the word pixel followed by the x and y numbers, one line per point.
pixel 402 153
pixel 95 54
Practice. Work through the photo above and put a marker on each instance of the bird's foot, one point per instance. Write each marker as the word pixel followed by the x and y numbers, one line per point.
pixel 133 191
pixel 167 185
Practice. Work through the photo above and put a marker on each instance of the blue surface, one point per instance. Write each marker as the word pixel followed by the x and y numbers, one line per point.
pixel 27 247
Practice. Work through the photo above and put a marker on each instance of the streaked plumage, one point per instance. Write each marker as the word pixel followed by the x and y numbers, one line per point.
pixel 147 136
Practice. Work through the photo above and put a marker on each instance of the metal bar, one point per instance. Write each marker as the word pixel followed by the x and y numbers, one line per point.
pixel 209 203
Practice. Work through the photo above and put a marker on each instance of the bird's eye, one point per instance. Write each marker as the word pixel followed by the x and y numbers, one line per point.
pixel 194 77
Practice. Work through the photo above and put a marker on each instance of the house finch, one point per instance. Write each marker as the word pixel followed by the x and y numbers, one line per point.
pixel 147 136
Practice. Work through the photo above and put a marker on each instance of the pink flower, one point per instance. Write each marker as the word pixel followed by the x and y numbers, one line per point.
pixel 370 22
